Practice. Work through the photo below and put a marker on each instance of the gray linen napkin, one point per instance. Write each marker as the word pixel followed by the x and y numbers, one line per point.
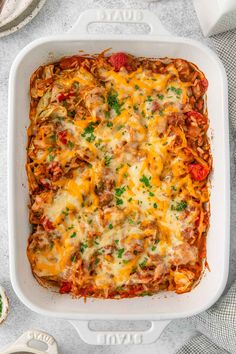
pixel 219 327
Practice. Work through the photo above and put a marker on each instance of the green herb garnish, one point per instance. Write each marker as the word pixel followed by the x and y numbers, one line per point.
pixel 181 206
pixel 120 252
pixel 177 91
pixel 73 235
pixel 51 157
pixel 143 263
pixel 110 226
pixel 71 114
pixel 119 191
pixel 113 102
pixel 146 181
pixel 70 144
pixel 119 201
pixel 107 160
pixel 83 246
pixel 73 258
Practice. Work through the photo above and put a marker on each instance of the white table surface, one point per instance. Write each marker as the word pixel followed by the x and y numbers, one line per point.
pixel 58 16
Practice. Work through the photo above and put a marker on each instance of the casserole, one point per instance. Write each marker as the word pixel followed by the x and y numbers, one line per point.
pixel 118 161
pixel 163 306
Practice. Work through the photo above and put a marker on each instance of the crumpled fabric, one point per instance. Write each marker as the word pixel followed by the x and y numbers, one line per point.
pixel 217 327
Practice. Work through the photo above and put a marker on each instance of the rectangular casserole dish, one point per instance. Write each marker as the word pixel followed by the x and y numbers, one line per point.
pixel 163 306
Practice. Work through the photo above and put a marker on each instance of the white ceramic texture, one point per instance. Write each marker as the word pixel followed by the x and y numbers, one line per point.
pixel 163 306
pixel 24 344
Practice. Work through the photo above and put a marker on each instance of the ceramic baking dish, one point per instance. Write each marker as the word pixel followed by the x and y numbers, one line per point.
pixel 164 306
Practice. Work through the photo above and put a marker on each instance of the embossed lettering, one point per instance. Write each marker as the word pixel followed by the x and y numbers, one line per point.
pixel 120 338
pixel 121 16
pixel 41 337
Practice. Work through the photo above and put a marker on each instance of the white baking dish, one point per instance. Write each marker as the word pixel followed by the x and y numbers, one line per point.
pixel 161 307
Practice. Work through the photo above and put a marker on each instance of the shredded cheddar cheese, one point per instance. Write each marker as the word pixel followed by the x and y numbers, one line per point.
pixel 118 160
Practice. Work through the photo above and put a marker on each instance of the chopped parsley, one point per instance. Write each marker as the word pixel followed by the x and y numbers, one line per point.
pixel 160 97
pixel 51 157
pixel 145 293
pixel 88 132
pixel 120 288
pixel 125 261
pixel 71 114
pixel 177 91
pixel 120 252
pixel 130 199
pixel 151 194
pixel 110 226
pixel 180 206
pixel 70 227
pixel 131 222
pixel 136 87
pixel 119 201
pixel 153 248
pixel 97 260
pixel 66 211
pixel 107 114
pixel 70 144
pixel 119 191
pixel 155 205
pixel 83 246
pixel 116 242
pixel 174 188
pixel 143 263
pixel 50 149
pixel 73 258
pixel 109 124
pixel 53 137
pixel 107 160
pixel 73 235
pixel 146 181
pixel 149 99
pixel 113 102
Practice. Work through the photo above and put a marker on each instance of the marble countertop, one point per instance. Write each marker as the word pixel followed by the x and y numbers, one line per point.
pixel 57 16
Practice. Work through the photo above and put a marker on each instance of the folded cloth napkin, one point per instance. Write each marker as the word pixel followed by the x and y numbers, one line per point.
pixel 218 325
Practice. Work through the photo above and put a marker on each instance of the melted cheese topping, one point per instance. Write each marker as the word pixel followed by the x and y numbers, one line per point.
pixel 121 217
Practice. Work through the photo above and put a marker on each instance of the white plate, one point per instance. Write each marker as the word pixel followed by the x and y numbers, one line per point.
pixel 17 13
pixel 12 9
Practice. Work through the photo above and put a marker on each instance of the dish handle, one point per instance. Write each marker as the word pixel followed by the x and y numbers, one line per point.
pixel 22 344
pixel 118 16
pixel 119 337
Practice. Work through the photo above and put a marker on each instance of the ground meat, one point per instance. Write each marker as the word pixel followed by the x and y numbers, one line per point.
pixel 183 69
pixel 105 198
pixel 176 119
